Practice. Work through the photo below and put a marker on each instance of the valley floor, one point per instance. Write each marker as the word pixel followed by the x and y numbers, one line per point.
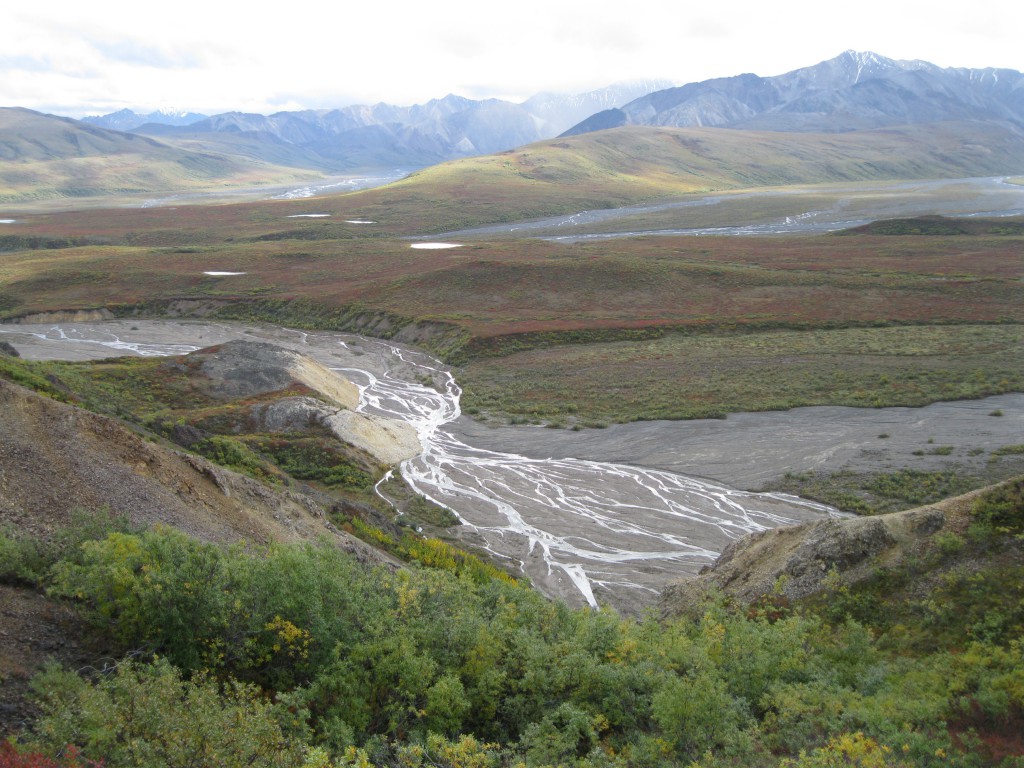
pixel 752 450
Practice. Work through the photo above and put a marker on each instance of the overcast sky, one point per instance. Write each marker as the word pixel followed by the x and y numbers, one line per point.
pixel 80 57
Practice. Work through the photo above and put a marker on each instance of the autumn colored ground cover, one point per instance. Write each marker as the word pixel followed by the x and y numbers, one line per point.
pixel 714 312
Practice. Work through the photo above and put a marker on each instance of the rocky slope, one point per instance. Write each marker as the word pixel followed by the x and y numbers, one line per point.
pixel 57 459
pixel 800 561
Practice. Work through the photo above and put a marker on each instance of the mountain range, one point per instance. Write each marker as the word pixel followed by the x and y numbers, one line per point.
pixel 854 91
pixel 44 156
pixel 379 135
pixel 127 120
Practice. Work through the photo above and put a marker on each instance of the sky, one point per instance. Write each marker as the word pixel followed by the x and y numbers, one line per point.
pixel 80 58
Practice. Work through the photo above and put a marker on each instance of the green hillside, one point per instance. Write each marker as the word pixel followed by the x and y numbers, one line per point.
pixel 43 157
pixel 46 157
pixel 628 165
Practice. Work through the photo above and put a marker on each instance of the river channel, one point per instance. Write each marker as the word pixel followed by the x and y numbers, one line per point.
pixel 598 517
pixel 810 209
pixel 586 531
pixel 608 517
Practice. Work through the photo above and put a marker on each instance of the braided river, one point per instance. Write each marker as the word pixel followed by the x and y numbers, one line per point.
pixel 585 531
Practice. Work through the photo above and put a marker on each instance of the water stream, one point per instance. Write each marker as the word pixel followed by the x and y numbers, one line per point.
pixel 589 532
pixel 855 204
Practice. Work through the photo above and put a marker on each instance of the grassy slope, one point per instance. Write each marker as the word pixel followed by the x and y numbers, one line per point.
pixel 627 165
pixel 47 157
pixel 57 157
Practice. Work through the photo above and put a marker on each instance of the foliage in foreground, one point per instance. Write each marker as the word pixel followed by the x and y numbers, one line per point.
pixel 298 655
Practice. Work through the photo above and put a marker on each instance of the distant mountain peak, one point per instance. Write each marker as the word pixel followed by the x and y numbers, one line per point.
pixel 868 64
pixel 128 120
pixel 855 90
pixel 172 112
pixel 866 58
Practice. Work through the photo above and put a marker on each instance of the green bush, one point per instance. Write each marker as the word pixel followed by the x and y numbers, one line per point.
pixel 147 716
pixel 1001 510
pixel 318 461
pixel 28 559
pixel 381 667
pixel 21 557
pixel 268 617
pixel 232 454
pixel 560 738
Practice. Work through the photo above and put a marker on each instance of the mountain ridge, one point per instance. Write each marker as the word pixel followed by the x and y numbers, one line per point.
pixel 381 134
pixel 853 91
pixel 127 119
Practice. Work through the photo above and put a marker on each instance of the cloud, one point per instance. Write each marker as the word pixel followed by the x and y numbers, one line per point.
pixel 209 57
pixel 26 63
pixel 704 27
pixel 142 53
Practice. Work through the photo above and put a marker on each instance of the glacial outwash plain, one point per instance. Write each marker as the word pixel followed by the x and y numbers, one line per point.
pixel 691 434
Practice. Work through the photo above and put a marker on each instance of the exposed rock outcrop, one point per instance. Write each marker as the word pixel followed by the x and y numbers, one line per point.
pixel 242 369
pixel 388 440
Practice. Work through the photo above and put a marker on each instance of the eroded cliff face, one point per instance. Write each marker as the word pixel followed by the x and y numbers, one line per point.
pixel 802 560
pixel 240 369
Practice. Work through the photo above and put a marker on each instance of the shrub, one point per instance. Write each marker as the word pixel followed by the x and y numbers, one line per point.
pixel 233 454
pixel 28 560
pixel 12 758
pixel 147 716
pixel 847 750
pixel 1001 510
pixel 565 735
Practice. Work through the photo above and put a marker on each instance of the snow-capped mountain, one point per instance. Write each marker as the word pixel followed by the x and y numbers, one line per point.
pixel 855 90
pixel 384 134
pixel 127 120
